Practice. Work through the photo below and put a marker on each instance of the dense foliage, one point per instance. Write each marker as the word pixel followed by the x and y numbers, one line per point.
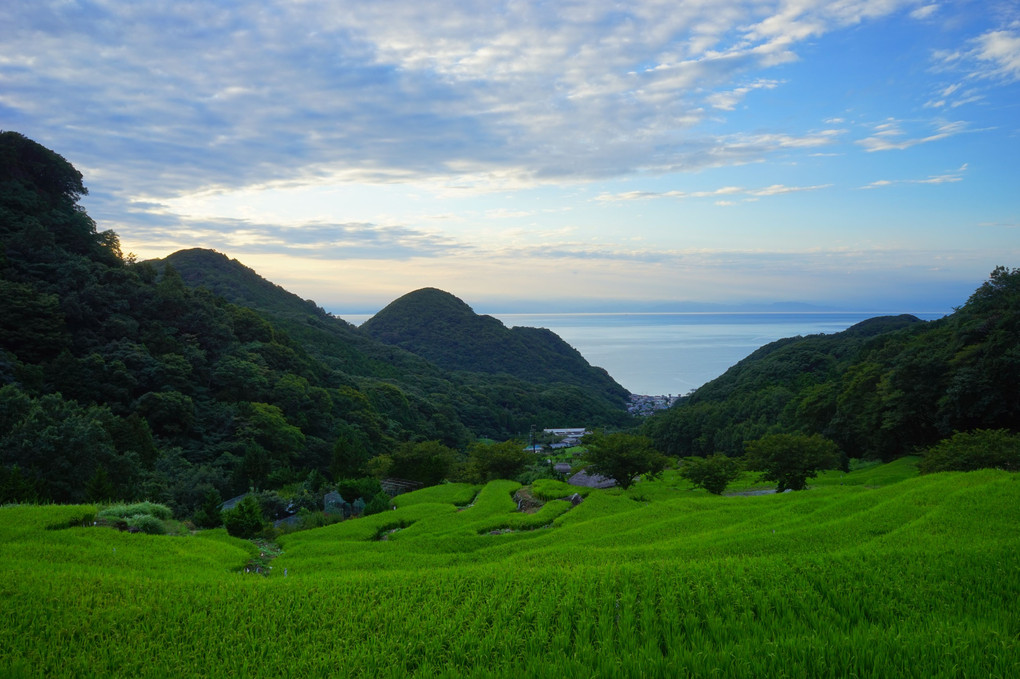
pixel 979 449
pixel 910 576
pixel 443 329
pixel 883 388
pixel 713 473
pixel 791 459
pixel 623 457
pixel 183 379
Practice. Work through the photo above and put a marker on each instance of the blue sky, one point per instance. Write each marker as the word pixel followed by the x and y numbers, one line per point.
pixel 543 156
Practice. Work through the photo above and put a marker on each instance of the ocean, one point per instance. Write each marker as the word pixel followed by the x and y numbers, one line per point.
pixel 674 353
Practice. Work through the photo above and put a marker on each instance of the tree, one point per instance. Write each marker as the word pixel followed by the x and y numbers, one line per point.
pixel 208 513
pixel 427 461
pixel 623 457
pixel 791 459
pixel 245 519
pixel 712 473
pixel 497 461
pixel 979 449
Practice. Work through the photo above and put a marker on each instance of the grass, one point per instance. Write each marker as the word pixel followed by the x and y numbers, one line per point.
pixel 877 572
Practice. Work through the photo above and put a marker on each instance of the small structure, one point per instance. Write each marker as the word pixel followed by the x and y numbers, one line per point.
pixel 570 436
pixel 232 502
pixel 583 478
pixel 394 486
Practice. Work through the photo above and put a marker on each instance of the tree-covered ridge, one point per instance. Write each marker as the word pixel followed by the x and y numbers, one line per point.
pixel 135 380
pixel 881 389
pixel 443 329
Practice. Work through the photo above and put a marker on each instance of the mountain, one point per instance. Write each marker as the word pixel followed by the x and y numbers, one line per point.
pixel 885 387
pixel 443 329
pixel 179 378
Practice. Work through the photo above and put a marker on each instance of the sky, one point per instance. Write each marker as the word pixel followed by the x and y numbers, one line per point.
pixel 579 155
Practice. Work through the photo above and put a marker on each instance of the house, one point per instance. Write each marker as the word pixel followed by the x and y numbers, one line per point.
pixel 570 436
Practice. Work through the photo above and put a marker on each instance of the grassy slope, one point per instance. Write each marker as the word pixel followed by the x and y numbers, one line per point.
pixel 871 573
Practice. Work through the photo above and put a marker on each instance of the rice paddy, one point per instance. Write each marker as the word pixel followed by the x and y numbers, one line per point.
pixel 873 573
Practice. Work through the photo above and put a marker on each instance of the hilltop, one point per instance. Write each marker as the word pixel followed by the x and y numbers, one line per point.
pixel 443 329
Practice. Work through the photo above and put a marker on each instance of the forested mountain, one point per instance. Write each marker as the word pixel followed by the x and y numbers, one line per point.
pixel 880 389
pixel 443 329
pixel 130 380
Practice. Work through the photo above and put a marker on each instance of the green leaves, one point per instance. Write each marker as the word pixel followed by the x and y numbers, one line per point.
pixel 623 457
pixel 713 473
pixel 791 459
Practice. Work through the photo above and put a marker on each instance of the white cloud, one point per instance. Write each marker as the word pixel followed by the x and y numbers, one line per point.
pixel 189 96
pixel 1001 50
pixel 944 178
pixel 924 12
pixel 889 135
pixel 727 101
pixel 750 194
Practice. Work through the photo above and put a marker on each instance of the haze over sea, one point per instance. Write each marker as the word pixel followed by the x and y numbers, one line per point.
pixel 673 353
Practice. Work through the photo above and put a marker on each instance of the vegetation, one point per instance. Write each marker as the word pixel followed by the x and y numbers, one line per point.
pixel 245 519
pixel 912 576
pixel 791 459
pixel 883 388
pixel 443 329
pixel 979 449
pixel 622 457
pixel 190 378
pixel 713 473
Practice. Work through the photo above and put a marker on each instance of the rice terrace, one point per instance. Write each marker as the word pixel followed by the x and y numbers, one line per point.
pixel 878 572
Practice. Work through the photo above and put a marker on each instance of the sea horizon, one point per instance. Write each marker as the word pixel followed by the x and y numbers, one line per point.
pixel 674 352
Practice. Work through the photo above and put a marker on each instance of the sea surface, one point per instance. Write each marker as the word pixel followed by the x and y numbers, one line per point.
pixel 674 353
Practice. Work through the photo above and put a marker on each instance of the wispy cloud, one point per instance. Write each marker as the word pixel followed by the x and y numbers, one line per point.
pixel 945 178
pixel 890 135
pixel 727 101
pixel 774 190
pixel 924 12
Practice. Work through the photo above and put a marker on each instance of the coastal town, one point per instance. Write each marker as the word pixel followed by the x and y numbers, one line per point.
pixel 643 405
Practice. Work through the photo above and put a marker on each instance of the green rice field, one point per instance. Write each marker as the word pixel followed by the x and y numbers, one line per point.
pixel 873 573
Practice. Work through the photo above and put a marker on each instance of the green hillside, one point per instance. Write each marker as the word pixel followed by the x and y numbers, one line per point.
pixel 883 388
pixel 443 329
pixel 178 379
pixel 898 575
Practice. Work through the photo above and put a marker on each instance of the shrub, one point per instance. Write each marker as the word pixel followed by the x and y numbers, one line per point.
pixel 245 519
pixel 123 511
pixel 380 502
pixel 978 449
pixel 147 523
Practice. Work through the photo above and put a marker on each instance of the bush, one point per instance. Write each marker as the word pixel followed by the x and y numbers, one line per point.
pixel 380 502
pixel 244 520
pixel 365 487
pixel 978 449
pixel 123 511
pixel 147 523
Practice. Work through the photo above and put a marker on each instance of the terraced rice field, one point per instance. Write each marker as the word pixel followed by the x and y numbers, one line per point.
pixel 876 573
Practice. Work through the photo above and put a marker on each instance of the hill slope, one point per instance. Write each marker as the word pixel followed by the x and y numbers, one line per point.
pixel 882 388
pixel 443 329
pixel 914 579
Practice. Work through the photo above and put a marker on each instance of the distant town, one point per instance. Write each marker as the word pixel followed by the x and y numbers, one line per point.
pixel 646 405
